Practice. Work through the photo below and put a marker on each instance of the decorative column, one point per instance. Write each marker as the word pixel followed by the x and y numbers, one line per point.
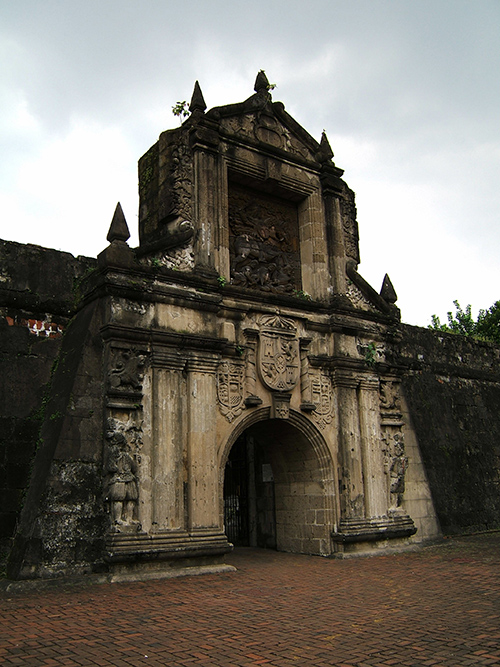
pixel 373 461
pixel 204 142
pixel 202 470
pixel 332 191
pixel 306 403
pixel 396 461
pixel 251 398
pixel 352 496
pixel 168 439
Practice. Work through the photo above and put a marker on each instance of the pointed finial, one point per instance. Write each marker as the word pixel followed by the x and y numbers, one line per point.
pixel 261 82
pixel 325 152
pixel 197 102
pixel 388 293
pixel 118 230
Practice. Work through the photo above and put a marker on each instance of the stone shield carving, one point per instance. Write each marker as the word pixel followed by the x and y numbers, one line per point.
pixel 278 353
pixel 230 389
pixel 322 397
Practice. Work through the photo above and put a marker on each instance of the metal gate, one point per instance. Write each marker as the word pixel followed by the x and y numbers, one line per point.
pixel 236 518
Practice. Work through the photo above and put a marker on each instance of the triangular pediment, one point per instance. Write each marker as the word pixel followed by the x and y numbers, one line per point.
pixel 259 121
pixel 265 126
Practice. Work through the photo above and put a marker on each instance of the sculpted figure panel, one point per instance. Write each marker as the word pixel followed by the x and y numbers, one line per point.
pixel 120 468
pixel 264 241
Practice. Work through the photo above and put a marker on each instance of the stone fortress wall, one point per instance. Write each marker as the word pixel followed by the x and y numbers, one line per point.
pixel 233 379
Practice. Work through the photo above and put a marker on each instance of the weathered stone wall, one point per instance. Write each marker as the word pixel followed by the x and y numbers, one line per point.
pixel 38 292
pixel 452 390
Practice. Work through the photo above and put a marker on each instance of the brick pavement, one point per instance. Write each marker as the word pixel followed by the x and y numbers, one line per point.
pixel 438 607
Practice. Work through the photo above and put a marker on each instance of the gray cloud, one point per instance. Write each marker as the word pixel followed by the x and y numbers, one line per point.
pixel 407 92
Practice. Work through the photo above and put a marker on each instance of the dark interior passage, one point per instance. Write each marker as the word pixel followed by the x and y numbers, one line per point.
pixel 277 492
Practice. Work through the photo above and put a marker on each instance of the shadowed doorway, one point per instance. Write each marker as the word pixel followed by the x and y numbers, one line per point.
pixel 278 493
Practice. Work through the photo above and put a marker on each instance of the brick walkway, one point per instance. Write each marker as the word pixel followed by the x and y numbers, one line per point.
pixel 438 606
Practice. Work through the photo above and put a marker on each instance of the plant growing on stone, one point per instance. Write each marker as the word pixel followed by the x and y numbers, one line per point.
pixel 181 110
pixel 485 327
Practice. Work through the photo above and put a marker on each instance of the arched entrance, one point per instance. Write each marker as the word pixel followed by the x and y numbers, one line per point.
pixel 279 488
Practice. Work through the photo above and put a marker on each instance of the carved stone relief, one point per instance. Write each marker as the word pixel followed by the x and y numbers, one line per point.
pixel 230 387
pixel 179 259
pixel 181 179
pixel 280 406
pixel 389 395
pixel 357 298
pixel 322 397
pixel 350 224
pixel 396 464
pixel 126 370
pixel 396 461
pixel 279 361
pixel 264 241
pixel 123 442
pixel 265 127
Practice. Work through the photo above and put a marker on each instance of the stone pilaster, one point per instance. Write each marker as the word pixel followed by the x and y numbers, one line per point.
pixel 168 435
pixel 352 498
pixel 306 398
pixel 202 483
pixel 251 399
pixel 373 460
pixel 335 231
pixel 207 205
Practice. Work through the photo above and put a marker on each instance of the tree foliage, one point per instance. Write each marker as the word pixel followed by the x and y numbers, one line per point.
pixel 485 327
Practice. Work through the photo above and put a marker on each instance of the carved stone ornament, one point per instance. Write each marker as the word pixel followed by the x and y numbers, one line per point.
pixel 396 465
pixel 279 361
pixel 281 406
pixel 322 397
pixel 264 245
pixel 181 181
pixel 230 384
pixel 127 370
pixel 121 461
pixel 389 395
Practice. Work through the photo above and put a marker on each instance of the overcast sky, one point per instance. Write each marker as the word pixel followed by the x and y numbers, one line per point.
pixel 408 92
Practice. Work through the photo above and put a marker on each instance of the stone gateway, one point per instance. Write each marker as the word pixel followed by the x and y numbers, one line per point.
pixel 233 380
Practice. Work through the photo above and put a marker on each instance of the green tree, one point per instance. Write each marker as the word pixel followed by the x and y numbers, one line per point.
pixel 485 327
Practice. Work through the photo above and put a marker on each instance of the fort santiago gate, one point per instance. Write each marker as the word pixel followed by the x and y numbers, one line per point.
pixel 232 380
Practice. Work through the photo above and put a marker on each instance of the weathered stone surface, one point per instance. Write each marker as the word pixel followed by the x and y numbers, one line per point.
pixel 234 379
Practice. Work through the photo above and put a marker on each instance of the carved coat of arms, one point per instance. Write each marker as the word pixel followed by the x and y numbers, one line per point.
pixel 322 396
pixel 230 389
pixel 278 353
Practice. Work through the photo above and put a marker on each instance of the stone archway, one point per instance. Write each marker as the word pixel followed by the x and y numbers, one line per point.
pixel 278 487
